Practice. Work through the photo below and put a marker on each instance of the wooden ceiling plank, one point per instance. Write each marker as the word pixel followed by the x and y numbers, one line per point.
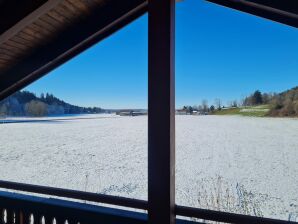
pixel 71 8
pixel 16 44
pixel 11 48
pixel 45 25
pixel 6 57
pixel 22 41
pixel 50 4
pixel 6 51
pixel 61 18
pixel 91 4
pixel 26 36
pixel 33 33
pixel 98 2
pixel 48 19
pixel 79 5
pixel 62 10
pixel 4 61
pixel 39 29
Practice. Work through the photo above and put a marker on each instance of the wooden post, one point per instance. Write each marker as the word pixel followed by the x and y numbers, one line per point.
pixel 161 112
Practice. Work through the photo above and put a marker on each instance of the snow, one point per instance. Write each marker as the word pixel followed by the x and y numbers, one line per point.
pixel 254 110
pixel 231 163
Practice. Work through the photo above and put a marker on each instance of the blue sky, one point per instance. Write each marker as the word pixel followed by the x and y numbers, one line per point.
pixel 220 53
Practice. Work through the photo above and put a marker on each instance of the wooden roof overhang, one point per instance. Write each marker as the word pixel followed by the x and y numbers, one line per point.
pixel 41 35
pixel 36 36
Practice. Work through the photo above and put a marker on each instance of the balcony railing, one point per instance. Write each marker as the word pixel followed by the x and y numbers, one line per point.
pixel 24 209
pixel 16 208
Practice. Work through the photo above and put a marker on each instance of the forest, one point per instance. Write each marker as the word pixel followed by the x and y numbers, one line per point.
pixel 25 103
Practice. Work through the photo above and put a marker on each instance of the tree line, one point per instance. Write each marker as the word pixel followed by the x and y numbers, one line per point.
pixel 204 107
pixel 279 104
pixel 25 103
pixel 285 103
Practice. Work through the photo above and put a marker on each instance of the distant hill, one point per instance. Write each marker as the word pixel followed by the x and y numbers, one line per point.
pixel 253 111
pixel 285 103
pixel 25 103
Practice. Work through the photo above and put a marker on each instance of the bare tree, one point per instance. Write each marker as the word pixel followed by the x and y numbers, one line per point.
pixel 3 110
pixel 36 108
pixel 217 103
pixel 235 103
pixel 200 108
pixel 205 105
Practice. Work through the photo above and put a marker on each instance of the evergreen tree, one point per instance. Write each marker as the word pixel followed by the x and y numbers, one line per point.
pixel 257 98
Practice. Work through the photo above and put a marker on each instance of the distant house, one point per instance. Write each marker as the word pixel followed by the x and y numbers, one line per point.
pixel 139 113
pixel 131 112
pixel 181 112
pixel 195 112
pixel 124 113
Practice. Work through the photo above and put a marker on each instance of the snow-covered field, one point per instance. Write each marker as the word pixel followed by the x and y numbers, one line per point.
pixel 231 163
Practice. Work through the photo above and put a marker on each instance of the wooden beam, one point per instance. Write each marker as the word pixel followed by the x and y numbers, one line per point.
pixel 12 11
pixel 261 10
pixel 74 194
pixel 161 112
pixel 50 4
pixel 284 5
pixel 225 217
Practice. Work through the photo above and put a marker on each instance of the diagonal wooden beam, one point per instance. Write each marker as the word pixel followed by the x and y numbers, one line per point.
pixel 261 10
pixel 50 4
pixel 285 5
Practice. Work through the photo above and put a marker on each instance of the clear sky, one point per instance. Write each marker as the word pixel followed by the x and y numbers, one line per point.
pixel 220 53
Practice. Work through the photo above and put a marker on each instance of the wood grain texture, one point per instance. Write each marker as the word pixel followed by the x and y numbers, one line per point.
pixel 40 27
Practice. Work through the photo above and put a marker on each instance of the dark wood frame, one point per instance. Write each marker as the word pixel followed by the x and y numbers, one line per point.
pixel 188 212
pixel 261 10
pixel 161 112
